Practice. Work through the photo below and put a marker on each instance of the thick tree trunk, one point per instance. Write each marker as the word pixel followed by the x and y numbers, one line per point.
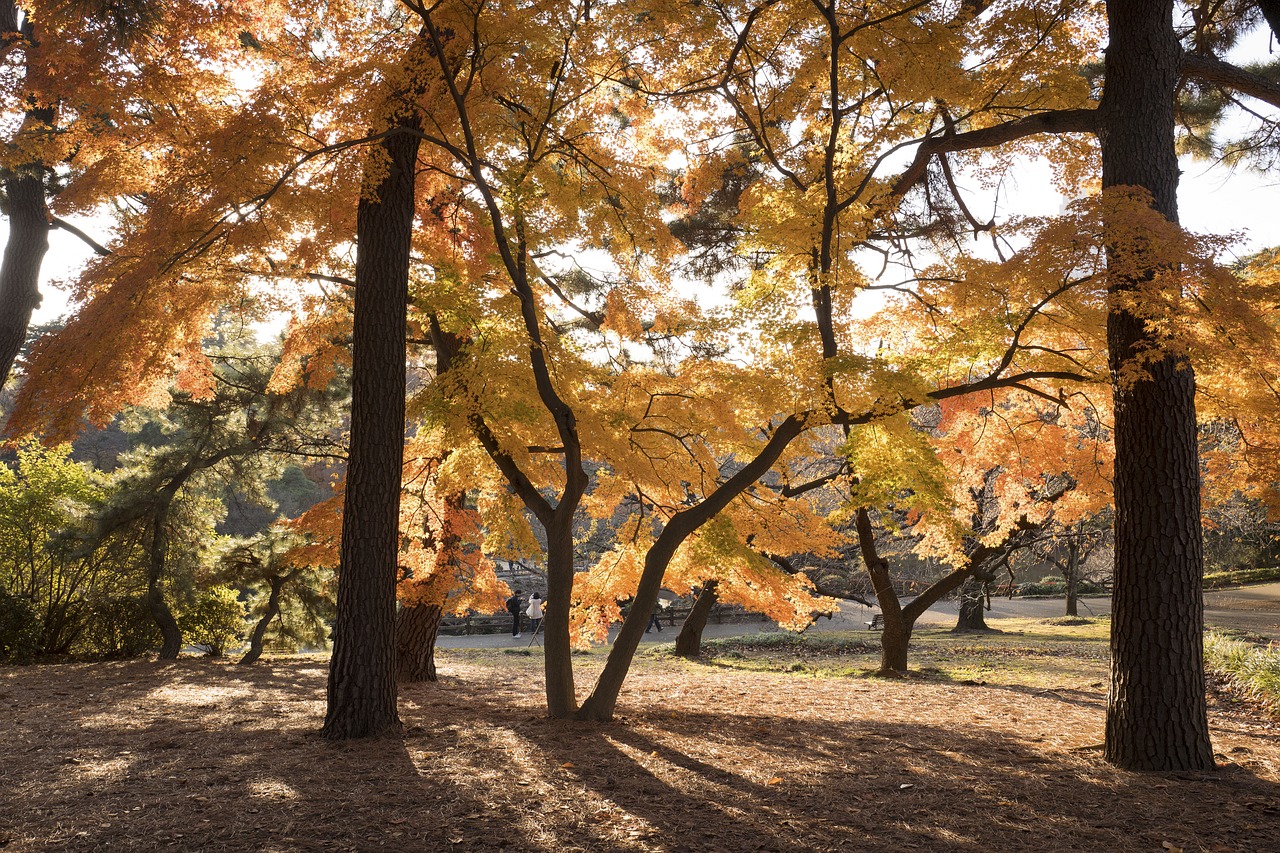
pixel 973 603
pixel 1156 716
pixel 895 641
pixel 26 206
pixel 258 637
pixel 20 269
pixel 362 682
pixel 416 629
pixel 689 640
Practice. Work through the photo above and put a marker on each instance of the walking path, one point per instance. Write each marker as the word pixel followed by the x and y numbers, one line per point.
pixel 1250 608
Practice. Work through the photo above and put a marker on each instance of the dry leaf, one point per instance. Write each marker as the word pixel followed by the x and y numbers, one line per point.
pixel 776 780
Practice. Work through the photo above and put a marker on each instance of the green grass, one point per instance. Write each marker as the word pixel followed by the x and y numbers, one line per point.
pixel 1026 652
pixel 1250 667
pixel 1237 577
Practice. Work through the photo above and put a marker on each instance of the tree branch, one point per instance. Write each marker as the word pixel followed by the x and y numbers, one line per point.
pixel 1210 69
pixel 1053 122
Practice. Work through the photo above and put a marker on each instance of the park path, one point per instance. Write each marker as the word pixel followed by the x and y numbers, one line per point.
pixel 1251 608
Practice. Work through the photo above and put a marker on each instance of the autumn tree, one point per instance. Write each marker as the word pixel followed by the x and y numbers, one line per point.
pixel 104 93
pixel 1156 713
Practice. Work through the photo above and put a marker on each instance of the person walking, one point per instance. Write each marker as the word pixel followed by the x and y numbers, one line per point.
pixel 515 606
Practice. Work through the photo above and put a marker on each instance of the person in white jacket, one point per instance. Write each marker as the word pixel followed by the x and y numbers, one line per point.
pixel 534 612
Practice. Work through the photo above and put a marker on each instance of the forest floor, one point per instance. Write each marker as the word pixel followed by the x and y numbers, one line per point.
pixel 766 744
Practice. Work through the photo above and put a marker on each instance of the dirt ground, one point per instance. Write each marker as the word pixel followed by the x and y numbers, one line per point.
pixel 206 755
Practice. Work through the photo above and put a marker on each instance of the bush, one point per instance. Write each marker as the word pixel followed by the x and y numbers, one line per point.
pixel 214 620
pixel 1057 585
pixel 19 629
pixel 1235 577
pixel 118 627
pixel 1250 668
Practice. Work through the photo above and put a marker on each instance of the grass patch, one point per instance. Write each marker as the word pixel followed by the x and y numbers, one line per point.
pixel 1249 667
pixel 1028 653
pixel 1238 577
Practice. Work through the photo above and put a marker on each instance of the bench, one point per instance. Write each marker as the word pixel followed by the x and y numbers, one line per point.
pixel 876 623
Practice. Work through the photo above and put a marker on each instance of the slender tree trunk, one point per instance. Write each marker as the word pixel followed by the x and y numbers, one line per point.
pixel 689 640
pixel 895 633
pixel 362 682
pixel 973 600
pixel 599 706
pixel 1072 577
pixel 557 660
pixel 258 637
pixel 1156 715
pixel 416 629
pixel 170 633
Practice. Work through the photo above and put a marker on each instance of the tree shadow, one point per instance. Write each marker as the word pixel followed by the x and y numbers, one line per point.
pixel 213 756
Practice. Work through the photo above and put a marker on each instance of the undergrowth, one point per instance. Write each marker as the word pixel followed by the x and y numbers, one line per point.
pixel 1250 667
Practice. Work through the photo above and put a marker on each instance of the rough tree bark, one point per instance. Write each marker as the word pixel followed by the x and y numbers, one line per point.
pixel 689 640
pixel 362 678
pixel 416 629
pixel 1156 715
pixel 973 605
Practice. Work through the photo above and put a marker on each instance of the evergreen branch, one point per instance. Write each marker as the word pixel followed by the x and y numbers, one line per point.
pixel 1210 69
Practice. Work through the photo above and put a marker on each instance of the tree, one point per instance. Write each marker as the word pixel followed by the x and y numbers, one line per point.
pixel 1156 717
pixel 164 496
pixel 106 91
pixel 362 675
pixel 1156 713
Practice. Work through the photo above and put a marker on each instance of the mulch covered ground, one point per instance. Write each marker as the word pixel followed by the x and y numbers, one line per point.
pixel 207 755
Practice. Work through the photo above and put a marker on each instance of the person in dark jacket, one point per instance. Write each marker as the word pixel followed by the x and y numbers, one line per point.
pixel 515 607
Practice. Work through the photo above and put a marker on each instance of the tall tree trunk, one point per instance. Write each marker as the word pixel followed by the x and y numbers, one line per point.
pixel 973 602
pixel 362 682
pixel 258 637
pixel 170 633
pixel 689 640
pixel 416 629
pixel 1156 716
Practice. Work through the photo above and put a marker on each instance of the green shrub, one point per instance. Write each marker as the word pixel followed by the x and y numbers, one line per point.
pixel 1235 577
pixel 1057 585
pixel 214 620
pixel 19 629
pixel 118 626
pixel 1249 667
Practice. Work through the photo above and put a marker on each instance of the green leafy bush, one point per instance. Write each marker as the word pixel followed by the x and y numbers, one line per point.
pixel 118 626
pixel 1235 577
pixel 19 629
pixel 214 619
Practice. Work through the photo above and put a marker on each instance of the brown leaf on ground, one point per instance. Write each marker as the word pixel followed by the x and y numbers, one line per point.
pixel 206 755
